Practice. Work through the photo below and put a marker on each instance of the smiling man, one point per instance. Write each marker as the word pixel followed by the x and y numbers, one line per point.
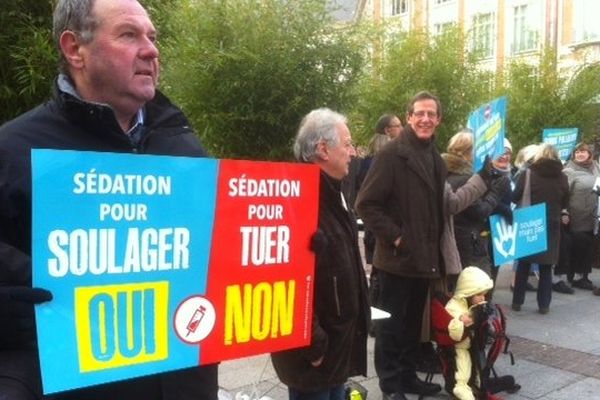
pixel 407 204
pixel 105 99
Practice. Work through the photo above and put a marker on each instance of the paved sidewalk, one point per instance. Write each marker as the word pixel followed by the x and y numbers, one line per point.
pixel 557 356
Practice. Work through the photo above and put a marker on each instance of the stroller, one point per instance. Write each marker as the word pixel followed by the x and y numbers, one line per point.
pixel 488 340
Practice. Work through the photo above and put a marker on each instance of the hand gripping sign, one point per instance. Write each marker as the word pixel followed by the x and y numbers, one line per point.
pixel 159 263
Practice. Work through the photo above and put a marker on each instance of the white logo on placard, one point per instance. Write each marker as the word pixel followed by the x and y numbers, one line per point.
pixel 506 241
pixel 194 319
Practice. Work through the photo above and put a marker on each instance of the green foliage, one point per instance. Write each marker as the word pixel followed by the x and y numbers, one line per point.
pixel 159 11
pixel 539 97
pixel 414 62
pixel 27 56
pixel 247 71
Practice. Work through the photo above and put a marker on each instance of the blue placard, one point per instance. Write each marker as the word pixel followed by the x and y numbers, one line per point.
pixel 563 140
pixel 128 235
pixel 488 125
pixel 158 263
pixel 527 235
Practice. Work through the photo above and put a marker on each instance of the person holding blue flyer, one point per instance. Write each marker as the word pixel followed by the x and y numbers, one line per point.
pixel 546 183
pixel 105 99
pixel 471 227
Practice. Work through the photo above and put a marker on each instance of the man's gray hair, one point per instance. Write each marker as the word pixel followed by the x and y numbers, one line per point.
pixel 75 16
pixel 317 125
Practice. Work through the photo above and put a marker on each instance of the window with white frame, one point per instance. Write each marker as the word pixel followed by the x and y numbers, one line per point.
pixel 399 7
pixel 482 41
pixel 586 20
pixel 524 38
pixel 441 27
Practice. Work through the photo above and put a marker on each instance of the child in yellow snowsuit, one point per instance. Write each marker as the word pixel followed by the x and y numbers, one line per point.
pixel 471 288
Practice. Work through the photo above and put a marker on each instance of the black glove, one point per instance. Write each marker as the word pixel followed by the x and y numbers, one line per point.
pixel 318 242
pixel 507 213
pixel 24 294
pixel 500 184
pixel 487 172
pixel 17 317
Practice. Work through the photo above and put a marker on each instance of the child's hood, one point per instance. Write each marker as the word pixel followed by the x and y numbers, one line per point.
pixel 472 281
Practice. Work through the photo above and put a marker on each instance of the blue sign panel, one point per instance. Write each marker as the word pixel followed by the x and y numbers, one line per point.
pixel 117 237
pixel 527 235
pixel 563 140
pixel 158 263
pixel 488 125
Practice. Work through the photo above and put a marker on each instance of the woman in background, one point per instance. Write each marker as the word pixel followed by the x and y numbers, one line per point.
pixel 471 228
pixel 582 172
pixel 547 184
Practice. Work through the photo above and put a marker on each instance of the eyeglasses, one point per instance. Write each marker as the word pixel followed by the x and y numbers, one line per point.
pixel 422 114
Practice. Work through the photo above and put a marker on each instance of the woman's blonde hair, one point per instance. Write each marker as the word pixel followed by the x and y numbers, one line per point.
pixel 547 151
pixel 461 144
pixel 525 155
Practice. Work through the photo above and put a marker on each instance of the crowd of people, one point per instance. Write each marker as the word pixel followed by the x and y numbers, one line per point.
pixel 400 222
pixel 425 214
pixel 568 188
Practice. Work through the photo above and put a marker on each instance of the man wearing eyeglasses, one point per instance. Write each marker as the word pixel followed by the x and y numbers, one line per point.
pixel 407 203
pixel 390 125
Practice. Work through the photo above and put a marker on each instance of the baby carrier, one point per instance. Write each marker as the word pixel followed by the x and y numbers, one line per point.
pixel 488 340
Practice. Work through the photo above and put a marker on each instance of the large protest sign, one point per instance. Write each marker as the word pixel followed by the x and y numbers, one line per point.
pixel 159 263
pixel 527 235
pixel 488 124
pixel 563 140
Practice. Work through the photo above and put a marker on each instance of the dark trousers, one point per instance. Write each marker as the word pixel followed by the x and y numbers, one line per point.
pixel 582 251
pixel 397 338
pixel 544 291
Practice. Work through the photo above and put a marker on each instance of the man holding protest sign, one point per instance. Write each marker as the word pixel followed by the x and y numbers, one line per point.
pixel 105 100
pixel 338 349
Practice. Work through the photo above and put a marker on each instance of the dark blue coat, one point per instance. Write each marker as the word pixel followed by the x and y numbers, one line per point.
pixel 65 122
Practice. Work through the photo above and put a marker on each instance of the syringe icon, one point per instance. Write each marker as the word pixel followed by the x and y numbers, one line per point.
pixel 195 320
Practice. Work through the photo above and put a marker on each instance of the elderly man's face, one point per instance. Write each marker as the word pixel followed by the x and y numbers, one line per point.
pixel 120 65
pixel 339 157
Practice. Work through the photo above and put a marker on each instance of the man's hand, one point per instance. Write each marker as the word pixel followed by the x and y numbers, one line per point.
pixel 24 294
pixel 17 317
pixel 318 242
